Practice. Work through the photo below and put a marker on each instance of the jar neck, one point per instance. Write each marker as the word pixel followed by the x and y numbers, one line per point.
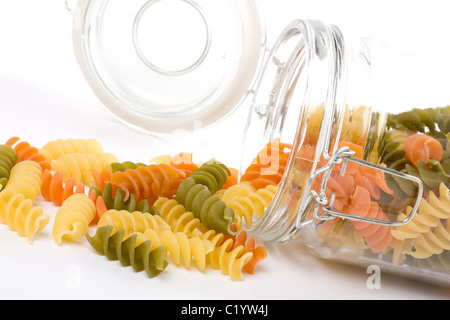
pixel 313 86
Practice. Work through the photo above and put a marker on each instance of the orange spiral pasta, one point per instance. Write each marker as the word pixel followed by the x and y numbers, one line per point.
pixel 101 178
pixel 378 237
pixel 258 252
pixel 268 167
pixel 226 258
pixel 233 255
pixel 422 147
pixel 55 190
pixel 149 182
pixel 183 161
pixel 27 152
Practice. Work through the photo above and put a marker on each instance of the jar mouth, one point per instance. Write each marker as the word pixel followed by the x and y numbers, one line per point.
pixel 296 100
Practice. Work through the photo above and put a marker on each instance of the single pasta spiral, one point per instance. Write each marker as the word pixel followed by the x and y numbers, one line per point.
pixel 8 158
pixel 225 257
pixel 177 217
pixel 210 209
pixel 180 246
pixel 378 237
pixel 149 182
pixel 212 174
pixel 132 221
pixel 26 178
pixel 56 148
pixel 434 236
pixel 73 218
pixel 20 215
pixel 113 198
pixel 55 190
pixel 269 166
pixel 247 202
pixel 133 251
pixel 428 215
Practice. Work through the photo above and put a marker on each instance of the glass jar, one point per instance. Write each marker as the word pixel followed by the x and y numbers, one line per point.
pixel 367 179
pixel 354 136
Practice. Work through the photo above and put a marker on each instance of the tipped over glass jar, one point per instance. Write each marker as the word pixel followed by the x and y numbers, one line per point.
pixel 354 137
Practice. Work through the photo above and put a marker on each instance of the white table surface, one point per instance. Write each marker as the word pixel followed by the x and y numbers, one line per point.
pixel 43 96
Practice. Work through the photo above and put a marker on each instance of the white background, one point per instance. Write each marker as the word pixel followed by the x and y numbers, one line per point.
pixel 43 96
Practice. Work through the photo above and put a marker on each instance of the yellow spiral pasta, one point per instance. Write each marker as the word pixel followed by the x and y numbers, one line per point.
pixel 132 222
pixel 428 232
pixel 177 217
pixel 56 148
pixel 437 239
pixel 180 246
pixel 428 215
pixel 20 215
pixel 73 218
pixel 230 261
pixel 26 178
pixel 248 202
pixel 80 165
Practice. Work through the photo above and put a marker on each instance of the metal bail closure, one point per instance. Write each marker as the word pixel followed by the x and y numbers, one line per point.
pixel 344 155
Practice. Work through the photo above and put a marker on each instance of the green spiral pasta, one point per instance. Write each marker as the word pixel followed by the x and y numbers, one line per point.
pixel 129 251
pixel 432 173
pixel 418 120
pixel 212 174
pixel 209 208
pixel 118 201
pixel 8 158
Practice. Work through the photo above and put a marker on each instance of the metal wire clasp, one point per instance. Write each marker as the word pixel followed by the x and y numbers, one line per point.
pixel 344 155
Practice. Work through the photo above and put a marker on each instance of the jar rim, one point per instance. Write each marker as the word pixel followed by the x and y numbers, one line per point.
pixel 158 98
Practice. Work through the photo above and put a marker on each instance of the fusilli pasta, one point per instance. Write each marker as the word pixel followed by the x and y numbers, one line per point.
pixel 177 217
pixel 180 246
pixel 20 215
pixel 134 250
pixel 212 212
pixel 53 189
pixel 80 165
pixel 248 202
pixel 8 158
pixel 149 182
pixel 27 152
pixel 73 218
pixel 132 222
pixel 54 149
pixel 268 167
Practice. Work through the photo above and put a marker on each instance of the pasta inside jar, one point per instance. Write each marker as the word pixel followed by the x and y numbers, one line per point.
pixel 364 177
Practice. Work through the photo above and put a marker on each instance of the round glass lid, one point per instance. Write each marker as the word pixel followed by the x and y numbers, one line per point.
pixel 162 65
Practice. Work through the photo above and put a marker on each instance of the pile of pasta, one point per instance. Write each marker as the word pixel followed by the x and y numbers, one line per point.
pixel 416 142
pixel 145 214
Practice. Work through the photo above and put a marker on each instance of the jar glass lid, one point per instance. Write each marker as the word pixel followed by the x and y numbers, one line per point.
pixel 161 65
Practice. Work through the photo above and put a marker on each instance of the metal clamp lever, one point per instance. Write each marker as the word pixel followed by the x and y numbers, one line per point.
pixel 345 154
